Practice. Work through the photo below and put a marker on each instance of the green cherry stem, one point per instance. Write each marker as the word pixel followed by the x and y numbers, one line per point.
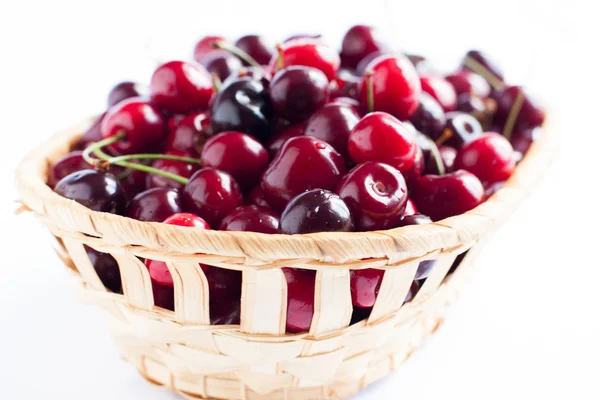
pixel 236 51
pixel 513 115
pixel 148 156
pixel 370 94
pixel 480 69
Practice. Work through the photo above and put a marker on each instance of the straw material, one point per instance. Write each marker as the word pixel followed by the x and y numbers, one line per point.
pixel 257 359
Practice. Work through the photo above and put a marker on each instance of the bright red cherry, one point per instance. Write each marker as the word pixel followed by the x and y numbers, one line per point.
pixel 333 124
pixel 188 220
pixel 221 63
pixel 66 165
pixel 447 195
pixel 256 197
pixel 301 298
pixel 256 47
pixel 396 86
pixel 364 286
pixel 307 52
pixel 140 121
pixel 469 82
pixel 303 163
pixel 376 194
pixel 155 205
pixel 362 65
pixel 251 219
pixel 181 87
pixel 530 115
pixel 238 154
pixel 489 157
pixel 359 42
pixel 380 137
pixel 276 141
pixel 190 134
pixel 316 210
pixel 180 168
pixel 441 90
pixel 126 90
pixel 204 46
pixel 211 194
pixel 410 209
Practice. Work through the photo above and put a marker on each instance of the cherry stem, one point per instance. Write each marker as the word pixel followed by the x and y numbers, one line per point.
pixel 148 156
pixel 217 84
pixel 236 51
pixel 513 115
pixel 279 64
pixel 446 134
pixel 370 94
pixel 482 70
pixel 437 158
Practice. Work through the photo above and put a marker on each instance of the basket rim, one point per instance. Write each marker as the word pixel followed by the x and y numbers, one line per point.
pixel 396 245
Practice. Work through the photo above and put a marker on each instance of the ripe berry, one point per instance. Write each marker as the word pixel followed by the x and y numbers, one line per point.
pixel 155 205
pixel 316 211
pixel 126 90
pixel 221 63
pixel 309 53
pixel 489 157
pixel 333 124
pixel 66 165
pixel 96 190
pixel 359 42
pixel 180 168
pixel 190 134
pixel 441 90
pixel 204 46
pixel 256 47
pixel 251 219
pixel 106 268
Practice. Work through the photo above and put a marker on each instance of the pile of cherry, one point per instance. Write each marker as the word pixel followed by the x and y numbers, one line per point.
pixel 297 138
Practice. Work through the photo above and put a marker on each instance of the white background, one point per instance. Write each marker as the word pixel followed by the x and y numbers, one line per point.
pixel 527 325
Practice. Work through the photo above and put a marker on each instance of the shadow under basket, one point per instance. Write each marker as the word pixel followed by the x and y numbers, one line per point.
pixel 257 359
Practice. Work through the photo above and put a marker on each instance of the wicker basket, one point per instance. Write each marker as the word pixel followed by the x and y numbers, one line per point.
pixel 258 360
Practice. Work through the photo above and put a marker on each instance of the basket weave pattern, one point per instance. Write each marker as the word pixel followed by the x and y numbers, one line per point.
pixel 258 360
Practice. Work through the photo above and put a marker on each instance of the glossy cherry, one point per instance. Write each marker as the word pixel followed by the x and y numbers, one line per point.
pixel 316 210
pixel 364 286
pixel 486 62
pixel 155 205
pixel 489 157
pixel 376 194
pixel 426 266
pixel 188 220
pixel 364 63
pixel 441 90
pixel 447 195
pixel 256 197
pixel 204 46
pixel 380 137
pixel 126 90
pixel 466 81
pixel 333 124
pixel 303 163
pixel 460 128
pixel 107 269
pixel 307 52
pixel 429 118
pixel 396 86
pixel 359 42
pixel 298 91
pixel 96 190
pixel 256 47
pixel 180 168
pixel 412 175
pixel 221 63
pixel 251 219
pixel 530 115
pixel 238 154
pixel 345 84
pixel 190 134
pixel 300 297
pixel 211 194
pixel 66 165
pixel 276 141
pixel 181 87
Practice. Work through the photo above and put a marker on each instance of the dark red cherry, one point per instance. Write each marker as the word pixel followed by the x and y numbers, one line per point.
pixel 164 296
pixel 256 47
pixel 429 118
pixel 298 91
pixel 309 53
pixel 204 46
pixel 376 195
pixel 126 90
pixel 396 86
pixel 96 190
pixel 181 87
pixel 275 143
pixel 238 154
pixel 66 165
pixel 460 128
pixel 257 197
pixel 133 182
pixel 251 219
pixel 426 266
pixel 448 155
pixel 378 136
pixel 316 211
pixel 469 82
pixel 345 84
pixel 333 124
pixel 522 139
pixel 211 194
pixel 155 205
pixel 180 168
pixel 303 163
pixel 412 175
pixel 242 105
pixel 92 134
pixel 530 115
pixel 190 134
pixel 410 209
pixel 364 286
pixel 221 63
pixel 142 123
pixel 259 74
pixel 489 157
pixel 485 61
pixel 441 90
pixel 107 269
pixel 225 312
pixel 301 298
pixel 447 195
pixel 223 284
pixel 359 42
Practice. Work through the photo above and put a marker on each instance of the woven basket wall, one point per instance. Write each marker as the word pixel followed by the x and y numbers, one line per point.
pixel 257 359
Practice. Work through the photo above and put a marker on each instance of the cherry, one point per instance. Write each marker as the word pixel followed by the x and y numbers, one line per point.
pixel 345 84
pixel 448 155
pixel 530 115
pixel 376 195
pixel 426 266
pixel 412 175
pixel 258 74
pixel 256 47
pixel 441 90
pixel 469 82
pixel 396 86
pixel 429 118
pixel 141 122
pixel 190 134
pixel 489 157
pixel 155 205
pixel 181 87
pixel 242 105
pixel 251 219
pixel 106 268
pixel 485 61
pixel 164 296
pixel 211 194
pixel 522 139
pixel 364 286
pixel 96 190
pixel 225 312
pixel 223 284
pixel 303 163
pixel 298 91
pixel 333 124
pixel 410 209
pixel 362 65
pixel 221 63
pixel 447 195
pixel 460 128
pixel 359 42
pixel 378 136
pixel 92 134
pixel 66 165
pixel 188 220
pixel 180 168
pixel 133 182
pixel 316 211
pixel 126 90
pixel 275 143
pixel 204 46
pixel 309 53
pixel 257 197
pixel 238 154
pixel 301 298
